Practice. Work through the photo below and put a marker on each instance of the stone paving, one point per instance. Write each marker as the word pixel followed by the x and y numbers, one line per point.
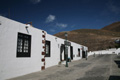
pixel 100 67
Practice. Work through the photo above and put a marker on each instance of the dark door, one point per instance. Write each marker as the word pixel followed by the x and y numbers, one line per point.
pixel 71 52
pixel 79 52
pixel 86 53
pixel 62 48
pixel 83 54
pixel 64 54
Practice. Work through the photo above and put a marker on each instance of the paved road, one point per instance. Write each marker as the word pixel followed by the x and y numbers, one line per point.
pixel 100 67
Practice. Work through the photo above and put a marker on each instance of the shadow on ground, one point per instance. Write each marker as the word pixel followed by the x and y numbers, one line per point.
pixel 114 78
pixel 118 63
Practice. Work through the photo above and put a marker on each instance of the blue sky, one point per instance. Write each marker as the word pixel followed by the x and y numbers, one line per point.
pixel 56 16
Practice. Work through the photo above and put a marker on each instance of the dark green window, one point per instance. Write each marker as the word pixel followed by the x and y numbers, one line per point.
pixel 23 45
pixel 47 48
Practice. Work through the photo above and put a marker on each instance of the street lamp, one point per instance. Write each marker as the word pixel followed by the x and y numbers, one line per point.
pixel 66 35
pixel 66 48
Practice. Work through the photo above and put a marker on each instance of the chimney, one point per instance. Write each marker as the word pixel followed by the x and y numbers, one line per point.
pixel 29 24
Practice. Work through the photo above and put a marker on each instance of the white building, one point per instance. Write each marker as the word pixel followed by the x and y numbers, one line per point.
pixel 25 49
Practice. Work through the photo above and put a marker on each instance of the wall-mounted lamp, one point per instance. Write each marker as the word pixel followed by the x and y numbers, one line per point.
pixel 27 29
pixel 66 34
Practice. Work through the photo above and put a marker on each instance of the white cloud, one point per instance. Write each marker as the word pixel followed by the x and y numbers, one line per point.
pixel 35 1
pixel 50 18
pixel 61 25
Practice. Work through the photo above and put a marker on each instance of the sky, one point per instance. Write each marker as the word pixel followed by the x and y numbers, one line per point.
pixel 56 16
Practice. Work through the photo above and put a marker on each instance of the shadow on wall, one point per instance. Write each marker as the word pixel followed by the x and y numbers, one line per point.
pixel 114 78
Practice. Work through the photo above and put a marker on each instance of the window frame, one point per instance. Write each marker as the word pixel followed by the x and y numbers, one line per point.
pixel 23 38
pixel 49 50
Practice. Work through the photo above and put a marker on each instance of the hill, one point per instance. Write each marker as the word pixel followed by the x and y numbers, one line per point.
pixel 93 38
pixel 113 27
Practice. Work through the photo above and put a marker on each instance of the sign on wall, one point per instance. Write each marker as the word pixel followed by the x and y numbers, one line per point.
pixel 68 43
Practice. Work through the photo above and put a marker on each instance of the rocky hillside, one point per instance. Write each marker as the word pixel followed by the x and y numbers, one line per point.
pixel 113 27
pixel 95 39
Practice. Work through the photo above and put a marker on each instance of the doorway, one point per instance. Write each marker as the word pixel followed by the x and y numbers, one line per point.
pixel 71 52
pixel 62 52
pixel 83 54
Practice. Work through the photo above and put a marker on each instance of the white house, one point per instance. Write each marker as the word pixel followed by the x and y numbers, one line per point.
pixel 25 49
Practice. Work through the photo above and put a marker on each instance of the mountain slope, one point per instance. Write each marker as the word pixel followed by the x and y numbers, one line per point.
pixel 113 27
pixel 93 38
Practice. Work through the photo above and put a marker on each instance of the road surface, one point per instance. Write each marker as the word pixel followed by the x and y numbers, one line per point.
pixel 100 67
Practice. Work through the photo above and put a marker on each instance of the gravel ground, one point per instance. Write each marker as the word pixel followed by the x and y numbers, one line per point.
pixel 100 67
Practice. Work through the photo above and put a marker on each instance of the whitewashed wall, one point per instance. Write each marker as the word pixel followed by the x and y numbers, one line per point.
pixel 75 51
pixel 12 66
pixel 117 51
pixel 55 50
pixel 108 51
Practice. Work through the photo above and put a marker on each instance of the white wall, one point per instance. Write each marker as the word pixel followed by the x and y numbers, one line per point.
pixel 117 51
pixel 108 51
pixel 75 51
pixel 10 65
pixel 55 50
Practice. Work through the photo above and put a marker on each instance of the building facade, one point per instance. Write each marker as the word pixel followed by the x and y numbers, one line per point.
pixel 25 49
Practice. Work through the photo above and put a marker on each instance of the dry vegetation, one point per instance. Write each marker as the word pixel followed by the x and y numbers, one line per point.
pixel 95 39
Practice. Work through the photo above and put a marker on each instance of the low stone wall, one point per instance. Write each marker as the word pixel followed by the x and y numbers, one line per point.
pixel 108 51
